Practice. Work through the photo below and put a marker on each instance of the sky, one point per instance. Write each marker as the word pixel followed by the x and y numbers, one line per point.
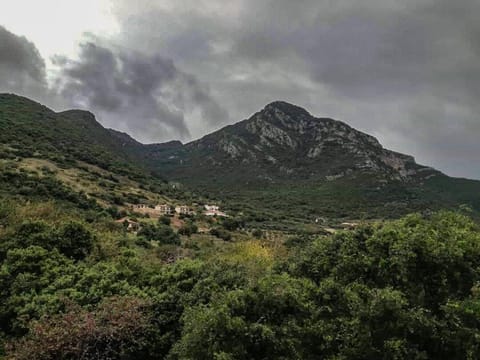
pixel 405 71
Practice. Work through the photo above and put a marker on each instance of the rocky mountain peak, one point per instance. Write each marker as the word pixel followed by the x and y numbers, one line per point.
pixel 286 108
pixel 285 141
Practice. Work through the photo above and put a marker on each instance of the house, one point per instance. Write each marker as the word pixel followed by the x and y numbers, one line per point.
pixel 214 210
pixel 130 225
pixel 140 207
pixel 349 225
pixel 157 210
pixel 163 209
pixel 183 209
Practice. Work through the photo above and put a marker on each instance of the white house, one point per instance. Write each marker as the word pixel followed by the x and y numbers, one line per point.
pixel 214 210
pixel 183 209
pixel 163 209
pixel 139 207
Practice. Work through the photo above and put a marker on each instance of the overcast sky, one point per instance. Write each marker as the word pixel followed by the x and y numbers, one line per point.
pixel 405 71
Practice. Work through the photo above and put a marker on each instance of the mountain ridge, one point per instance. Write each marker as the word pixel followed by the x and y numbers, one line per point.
pixel 281 162
pixel 288 136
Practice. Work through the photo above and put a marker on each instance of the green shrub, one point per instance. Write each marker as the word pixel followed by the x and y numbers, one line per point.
pixel 188 229
pixel 221 234
pixel 161 233
pixel 119 328
pixel 165 220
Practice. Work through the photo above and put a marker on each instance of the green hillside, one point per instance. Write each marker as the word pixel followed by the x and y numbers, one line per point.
pixel 69 155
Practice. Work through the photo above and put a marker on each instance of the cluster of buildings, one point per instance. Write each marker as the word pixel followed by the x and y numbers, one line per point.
pixel 165 210
pixel 214 210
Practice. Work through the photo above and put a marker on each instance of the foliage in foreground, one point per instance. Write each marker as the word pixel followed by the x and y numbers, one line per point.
pixel 407 289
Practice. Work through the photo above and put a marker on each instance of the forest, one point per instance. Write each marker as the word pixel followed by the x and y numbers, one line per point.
pixel 76 288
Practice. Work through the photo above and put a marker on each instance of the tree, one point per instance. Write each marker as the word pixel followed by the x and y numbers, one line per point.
pixel 161 233
pixel 231 224
pixel 30 281
pixel 119 328
pixel 188 229
pixel 165 220
pixel 221 234
pixel 74 240
pixel 265 321
pixel 407 276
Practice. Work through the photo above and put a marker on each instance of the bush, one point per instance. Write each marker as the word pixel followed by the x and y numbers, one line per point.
pixel 161 233
pixel 142 242
pixel 221 234
pixel 257 233
pixel 74 240
pixel 119 328
pixel 165 220
pixel 7 210
pixel 188 229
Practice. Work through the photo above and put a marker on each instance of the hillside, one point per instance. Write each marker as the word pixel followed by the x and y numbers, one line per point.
pixel 30 129
pixel 69 156
pixel 288 162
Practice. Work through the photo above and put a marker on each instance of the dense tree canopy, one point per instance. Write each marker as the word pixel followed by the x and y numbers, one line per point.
pixel 407 289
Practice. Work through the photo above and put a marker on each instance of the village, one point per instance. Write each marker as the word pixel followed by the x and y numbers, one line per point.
pixel 165 210
pixel 206 219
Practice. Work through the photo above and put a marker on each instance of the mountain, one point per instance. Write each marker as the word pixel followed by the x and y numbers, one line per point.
pixel 85 276
pixel 281 165
pixel 70 156
pixel 284 142
pixel 291 163
pixel 32 129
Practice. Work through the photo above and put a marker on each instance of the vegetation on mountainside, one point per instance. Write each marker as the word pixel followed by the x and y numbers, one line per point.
pixel 115 169
pixel 32 130
pixel 284 205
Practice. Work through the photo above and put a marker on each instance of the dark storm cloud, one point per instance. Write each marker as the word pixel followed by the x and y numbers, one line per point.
pixel 370 48
pixel 146 94
pixel 407 71
pixel 22 69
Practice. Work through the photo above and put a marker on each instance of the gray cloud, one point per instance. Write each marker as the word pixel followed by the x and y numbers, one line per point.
pixel 22 69
pixel 144 94
pixel 407 71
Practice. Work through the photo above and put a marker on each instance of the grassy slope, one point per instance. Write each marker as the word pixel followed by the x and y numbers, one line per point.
pixel 70 157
